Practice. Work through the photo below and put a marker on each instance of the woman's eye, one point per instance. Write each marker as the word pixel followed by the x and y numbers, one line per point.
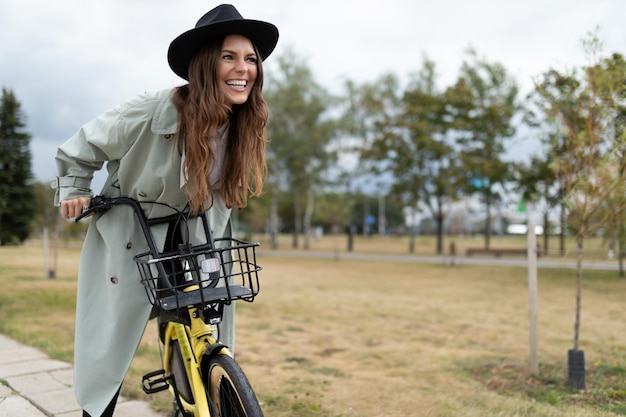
pixel 250 59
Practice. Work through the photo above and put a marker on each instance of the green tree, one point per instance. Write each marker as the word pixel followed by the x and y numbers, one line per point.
pixel 17 204
pixel 370 109
pixel 612 91
pixel 482 106
pixel 428 164
pixel 371 121
pixel 590 165
pixel 300 132
pixel 412 145
pixel 537 182
pixel 333 212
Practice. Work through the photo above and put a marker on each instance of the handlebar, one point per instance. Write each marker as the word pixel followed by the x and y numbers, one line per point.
pixel 100 204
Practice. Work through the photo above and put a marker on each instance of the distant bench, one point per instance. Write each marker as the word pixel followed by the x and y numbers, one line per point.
pixel 498 252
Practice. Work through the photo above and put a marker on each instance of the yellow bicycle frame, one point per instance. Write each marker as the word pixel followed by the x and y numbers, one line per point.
pixel 193 341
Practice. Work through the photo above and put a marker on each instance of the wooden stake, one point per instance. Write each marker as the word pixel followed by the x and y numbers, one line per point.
pixel 532 299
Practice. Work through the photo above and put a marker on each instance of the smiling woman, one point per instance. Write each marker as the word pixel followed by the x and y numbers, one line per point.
pixel 198 147
pixel 237 69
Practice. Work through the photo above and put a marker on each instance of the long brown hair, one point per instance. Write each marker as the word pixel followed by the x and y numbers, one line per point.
pixel 201 112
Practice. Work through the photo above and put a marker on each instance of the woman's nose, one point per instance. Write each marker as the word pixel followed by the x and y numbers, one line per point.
pixel 241 66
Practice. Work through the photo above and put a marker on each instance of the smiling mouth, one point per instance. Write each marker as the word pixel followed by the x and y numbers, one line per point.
pixel 238 84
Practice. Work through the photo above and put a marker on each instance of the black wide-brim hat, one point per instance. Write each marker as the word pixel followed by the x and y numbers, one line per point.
pixel 217 23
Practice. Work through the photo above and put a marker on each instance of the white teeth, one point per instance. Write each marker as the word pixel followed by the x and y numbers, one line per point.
pixel 239 83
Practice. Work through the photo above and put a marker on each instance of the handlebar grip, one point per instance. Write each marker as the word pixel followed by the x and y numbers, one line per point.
pixel 97 204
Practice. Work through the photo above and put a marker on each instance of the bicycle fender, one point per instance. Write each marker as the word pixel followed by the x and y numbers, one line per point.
pixel 215 349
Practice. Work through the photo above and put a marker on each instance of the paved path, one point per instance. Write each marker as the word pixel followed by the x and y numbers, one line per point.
pixel 441 259
pixel 33 385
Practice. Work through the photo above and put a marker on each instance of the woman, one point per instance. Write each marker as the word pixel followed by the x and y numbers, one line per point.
pixel 201 144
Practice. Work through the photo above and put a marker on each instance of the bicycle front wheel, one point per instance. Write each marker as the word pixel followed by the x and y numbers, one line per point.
pixel 228 390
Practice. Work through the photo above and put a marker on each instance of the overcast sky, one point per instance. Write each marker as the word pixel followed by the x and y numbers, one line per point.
pixel 69 60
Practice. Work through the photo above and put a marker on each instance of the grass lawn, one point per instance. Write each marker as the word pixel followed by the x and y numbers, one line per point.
pixel 370 338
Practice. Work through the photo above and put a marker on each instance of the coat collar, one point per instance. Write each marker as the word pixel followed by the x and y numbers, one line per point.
pixel 165 120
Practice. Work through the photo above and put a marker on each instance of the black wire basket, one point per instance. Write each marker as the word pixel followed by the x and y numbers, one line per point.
pixel 200 276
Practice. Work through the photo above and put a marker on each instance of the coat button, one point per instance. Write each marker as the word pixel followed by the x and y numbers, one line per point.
pixel 168 136
pixel 113 280
pixel 129 245
pixel 142 194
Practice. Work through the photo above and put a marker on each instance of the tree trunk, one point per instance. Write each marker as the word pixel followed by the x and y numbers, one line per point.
pixel 488 223
pixel 545 232
pixel 439 219
pixel 351 232
pixel 620 250
pixel 439 234
pixel 412 239
pixel 297 219
pixel 382 218
pixel 274 218
pixel 562 234
pixel 579 287
pixel 576 357
pixel 308 214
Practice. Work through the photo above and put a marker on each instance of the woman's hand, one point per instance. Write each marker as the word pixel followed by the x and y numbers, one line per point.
pixel 70 209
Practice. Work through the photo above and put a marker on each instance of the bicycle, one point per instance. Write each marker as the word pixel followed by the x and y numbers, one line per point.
pixel 188 286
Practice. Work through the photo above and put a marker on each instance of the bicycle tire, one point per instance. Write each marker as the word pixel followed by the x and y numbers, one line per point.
pixel 228 389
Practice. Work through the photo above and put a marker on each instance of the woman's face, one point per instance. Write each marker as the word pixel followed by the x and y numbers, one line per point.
pixel 237 69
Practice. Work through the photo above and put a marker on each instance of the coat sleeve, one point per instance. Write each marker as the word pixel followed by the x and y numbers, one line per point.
pixel 105 138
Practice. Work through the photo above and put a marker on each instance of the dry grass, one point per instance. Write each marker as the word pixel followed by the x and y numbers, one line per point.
pixel 366 338
pixel 374 339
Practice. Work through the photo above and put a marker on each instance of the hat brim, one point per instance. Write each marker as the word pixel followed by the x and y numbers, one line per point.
pixel 263 35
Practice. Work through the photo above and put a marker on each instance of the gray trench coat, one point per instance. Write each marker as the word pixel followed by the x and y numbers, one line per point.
pixel 137 140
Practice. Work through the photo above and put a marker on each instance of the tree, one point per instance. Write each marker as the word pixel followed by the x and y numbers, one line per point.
pixel 612 91
pixel 334 213
pixel 482 105
pixel 590 165
pixel 429 163
pixel 537 182
pixel 17 204
pixel 367 119
pixel 411 144
pixel 396 140
pixel 300 132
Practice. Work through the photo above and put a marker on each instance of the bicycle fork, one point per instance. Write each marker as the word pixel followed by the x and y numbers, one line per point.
pixel 185 380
